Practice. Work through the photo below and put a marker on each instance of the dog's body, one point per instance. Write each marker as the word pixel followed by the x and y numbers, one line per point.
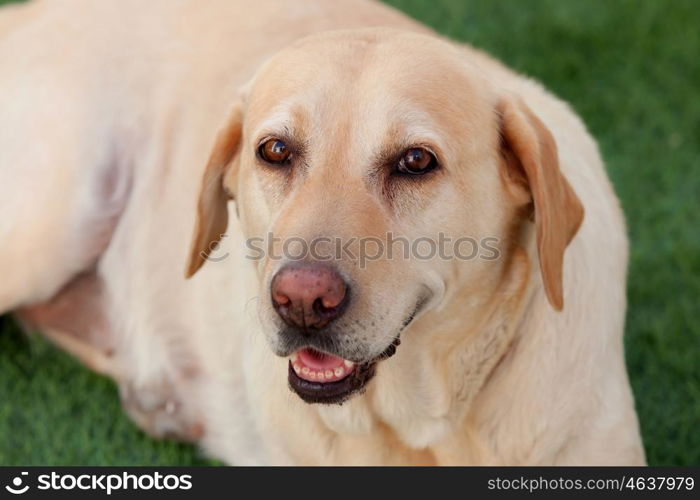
pixel 109 113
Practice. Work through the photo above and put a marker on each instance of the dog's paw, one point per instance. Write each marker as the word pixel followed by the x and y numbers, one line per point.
pixel 159 411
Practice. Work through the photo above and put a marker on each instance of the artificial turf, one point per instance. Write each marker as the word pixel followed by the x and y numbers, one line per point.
pixel 631 69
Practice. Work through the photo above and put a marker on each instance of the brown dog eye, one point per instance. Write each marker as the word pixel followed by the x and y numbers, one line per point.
pixel 417 161
pixel 274 151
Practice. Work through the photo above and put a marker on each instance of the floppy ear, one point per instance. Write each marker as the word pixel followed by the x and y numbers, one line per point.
pixel 212 213
pixel 531 159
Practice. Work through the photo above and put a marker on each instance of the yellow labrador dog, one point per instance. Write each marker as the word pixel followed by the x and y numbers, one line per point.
pixel 289 130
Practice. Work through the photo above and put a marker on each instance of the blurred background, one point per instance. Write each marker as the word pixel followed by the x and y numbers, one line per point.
pixel 631 69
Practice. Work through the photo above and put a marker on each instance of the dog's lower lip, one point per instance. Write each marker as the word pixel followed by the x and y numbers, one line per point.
pixel 333 392
pixel 319 377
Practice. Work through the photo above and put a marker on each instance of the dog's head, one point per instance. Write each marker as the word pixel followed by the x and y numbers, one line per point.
pixel 382 172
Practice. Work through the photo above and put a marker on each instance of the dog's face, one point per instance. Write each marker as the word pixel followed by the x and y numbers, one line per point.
pixel 380 175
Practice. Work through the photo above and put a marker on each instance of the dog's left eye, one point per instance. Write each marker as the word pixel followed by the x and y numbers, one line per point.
pixel 274 151
pixel 417 161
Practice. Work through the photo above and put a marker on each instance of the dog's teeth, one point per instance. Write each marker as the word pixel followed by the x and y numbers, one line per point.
pixel 322 375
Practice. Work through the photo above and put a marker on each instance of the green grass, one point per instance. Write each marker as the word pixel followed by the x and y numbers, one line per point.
pixel 54 411
pixel 632 70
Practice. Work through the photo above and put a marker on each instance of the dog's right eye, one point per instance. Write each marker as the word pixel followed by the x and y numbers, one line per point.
pixel 417 161
pixel 274 151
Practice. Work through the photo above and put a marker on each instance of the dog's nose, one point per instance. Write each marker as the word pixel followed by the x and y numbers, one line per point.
pixel 308 295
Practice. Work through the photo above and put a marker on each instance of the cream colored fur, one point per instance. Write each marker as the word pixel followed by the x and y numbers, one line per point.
pixel 110 110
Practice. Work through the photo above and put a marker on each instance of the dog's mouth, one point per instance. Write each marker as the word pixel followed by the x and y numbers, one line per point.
pixel 317 376
pixel 321 377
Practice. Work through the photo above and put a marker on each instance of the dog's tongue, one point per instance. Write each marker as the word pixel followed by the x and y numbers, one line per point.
pixel 319 360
